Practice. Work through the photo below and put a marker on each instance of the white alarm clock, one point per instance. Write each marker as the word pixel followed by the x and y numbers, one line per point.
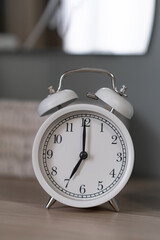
pixel 83 154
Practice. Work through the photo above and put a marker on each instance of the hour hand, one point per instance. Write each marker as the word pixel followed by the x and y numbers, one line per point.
pixel 83 155
pixel 84 137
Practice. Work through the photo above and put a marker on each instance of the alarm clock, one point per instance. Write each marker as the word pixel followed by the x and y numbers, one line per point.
pixel 83 154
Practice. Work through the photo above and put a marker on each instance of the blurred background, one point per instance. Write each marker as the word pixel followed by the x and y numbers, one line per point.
pixel 40 40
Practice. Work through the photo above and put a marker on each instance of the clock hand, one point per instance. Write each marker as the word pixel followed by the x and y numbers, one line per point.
pixel 84 137
pixel 83 155
pixel 75 168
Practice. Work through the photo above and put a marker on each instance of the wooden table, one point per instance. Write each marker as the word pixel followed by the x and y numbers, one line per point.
pixel 23 215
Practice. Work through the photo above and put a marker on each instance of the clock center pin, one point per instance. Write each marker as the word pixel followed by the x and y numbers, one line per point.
pixel 83 155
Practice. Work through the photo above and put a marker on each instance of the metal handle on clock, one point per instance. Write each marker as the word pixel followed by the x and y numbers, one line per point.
pixel 95 70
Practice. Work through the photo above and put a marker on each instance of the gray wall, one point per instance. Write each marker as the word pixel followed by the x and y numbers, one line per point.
pixel 26 75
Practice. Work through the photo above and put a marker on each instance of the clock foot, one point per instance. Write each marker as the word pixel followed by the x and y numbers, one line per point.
pixel 50 202
pixel 114 204
pixel 112 110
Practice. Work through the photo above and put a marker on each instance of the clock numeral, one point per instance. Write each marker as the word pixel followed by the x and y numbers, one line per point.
pixel 100 185
pixel 69 127
pixel 82 189
pixel 54 171
pixel 112 173
pixel 86 122
pixel 66 180
pixel 101 130
pixel 57 138
pixel 49 153
pixel 114 138
pixel 119 155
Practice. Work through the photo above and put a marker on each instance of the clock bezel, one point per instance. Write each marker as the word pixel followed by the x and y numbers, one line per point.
pixel 71 201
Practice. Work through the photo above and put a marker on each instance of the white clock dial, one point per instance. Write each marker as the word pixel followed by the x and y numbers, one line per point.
pixel 85 155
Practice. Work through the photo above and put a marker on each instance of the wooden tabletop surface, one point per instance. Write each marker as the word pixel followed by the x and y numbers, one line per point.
pixel 23 214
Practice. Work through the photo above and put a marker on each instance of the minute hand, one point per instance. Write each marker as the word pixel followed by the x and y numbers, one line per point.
pixel 84 138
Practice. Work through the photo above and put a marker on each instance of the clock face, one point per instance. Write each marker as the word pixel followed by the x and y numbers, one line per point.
pixel 84 156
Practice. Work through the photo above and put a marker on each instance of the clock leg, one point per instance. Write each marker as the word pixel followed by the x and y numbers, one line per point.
pixel 112 110
pixel 114 204
pixel 50 202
